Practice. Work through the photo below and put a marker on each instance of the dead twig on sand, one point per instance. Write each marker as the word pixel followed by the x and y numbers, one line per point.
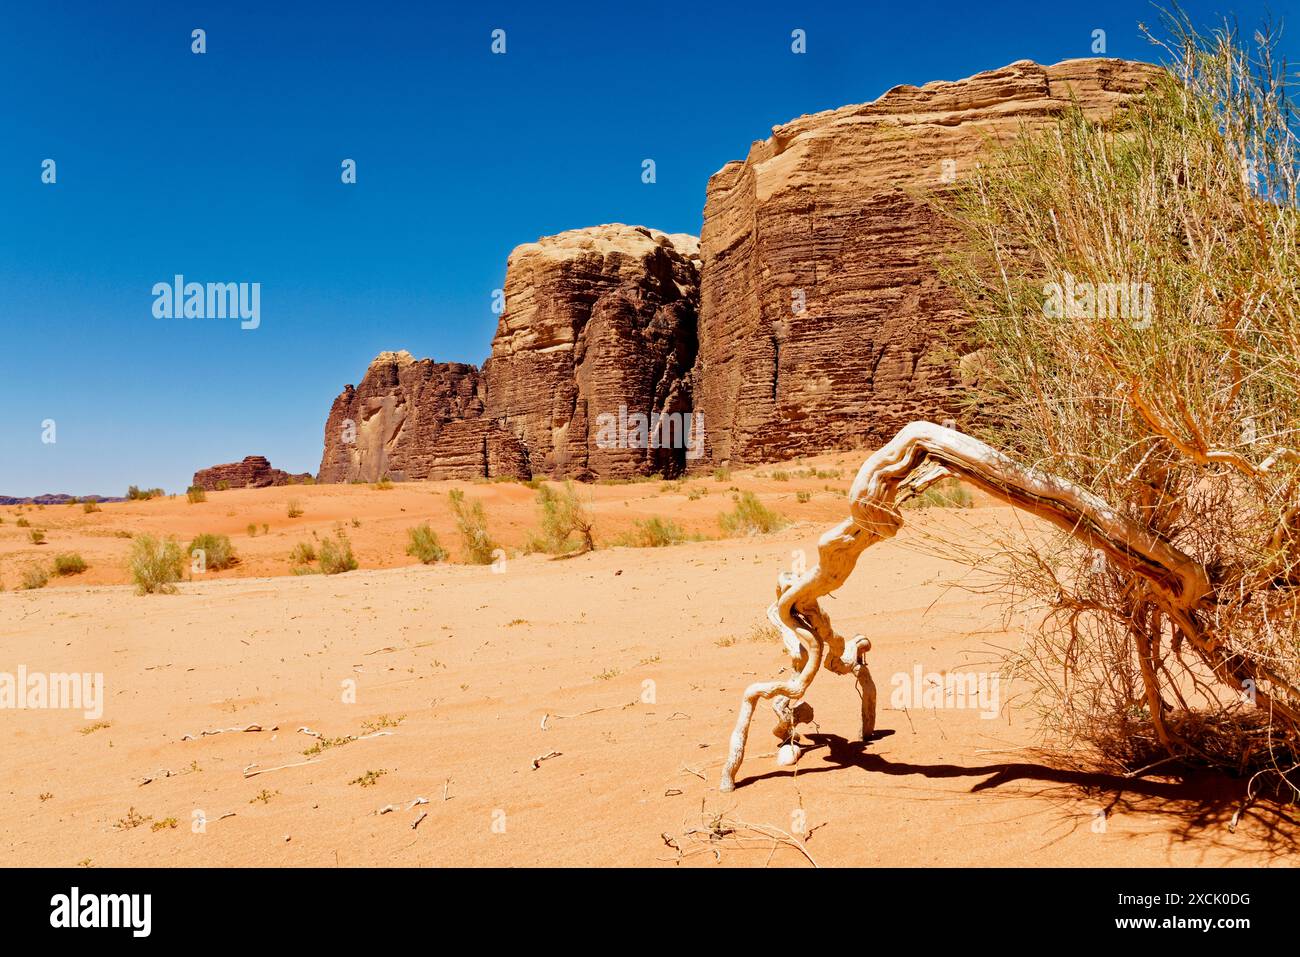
pixel 537 761
pixel 246 728
pixel 722 832
pixel 250 773
pixel 582 714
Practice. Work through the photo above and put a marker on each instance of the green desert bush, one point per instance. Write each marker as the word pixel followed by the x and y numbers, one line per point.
pixel 304 553
pixel 89 506
pixel 654 532
pixel 471 524
pixel 23 523
pixel 137 494
pixel 336 554
pixel 750 517
pixel 196 494
pixel 423 544
pixel 294 508
pixel 37 535
pixel 69 563
pixel 217 551
pixel 566 524
pixel 155 565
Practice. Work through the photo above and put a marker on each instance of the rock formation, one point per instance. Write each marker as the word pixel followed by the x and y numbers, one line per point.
pixel 415 419
pixel 594 320
pixel 253 472
pixel 809 316
pixel 823 319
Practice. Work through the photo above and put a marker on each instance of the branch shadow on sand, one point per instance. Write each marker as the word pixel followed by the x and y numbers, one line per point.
pixel 1196 805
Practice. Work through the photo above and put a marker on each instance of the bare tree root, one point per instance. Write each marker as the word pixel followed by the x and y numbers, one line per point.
pixel 921 454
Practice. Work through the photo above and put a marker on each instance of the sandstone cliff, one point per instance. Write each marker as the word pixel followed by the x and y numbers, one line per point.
pixel 809 315
pixel 594 319
pixel 823 319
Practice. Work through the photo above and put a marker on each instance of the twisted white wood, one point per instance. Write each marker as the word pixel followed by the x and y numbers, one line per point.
pixel 919 455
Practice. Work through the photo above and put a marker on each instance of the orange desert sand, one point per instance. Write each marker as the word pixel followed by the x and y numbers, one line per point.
pixel 474 674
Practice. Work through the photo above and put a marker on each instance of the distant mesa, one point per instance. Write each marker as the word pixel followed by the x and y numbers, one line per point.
pixel 253 472
pixel 809 316
pixel 50 498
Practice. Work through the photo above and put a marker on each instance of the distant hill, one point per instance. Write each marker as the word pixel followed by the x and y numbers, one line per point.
pixel 49 498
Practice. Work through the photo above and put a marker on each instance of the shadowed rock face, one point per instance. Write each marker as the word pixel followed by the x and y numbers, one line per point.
pixel 823 320
pixel 414 419
pixel 809 316
pixel 253 472
pixel 594 319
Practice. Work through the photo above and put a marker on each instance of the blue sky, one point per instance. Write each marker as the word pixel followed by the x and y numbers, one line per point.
pixel 225 167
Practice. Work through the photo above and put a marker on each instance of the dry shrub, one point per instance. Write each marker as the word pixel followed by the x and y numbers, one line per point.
pixel 566 524
pixel 1180 415
pixel 155 566
pixel 471 523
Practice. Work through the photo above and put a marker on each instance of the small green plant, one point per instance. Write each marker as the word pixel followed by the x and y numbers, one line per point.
pixel 370 778
pixel 35 576
pixel 132 819
pixel 382 722
pixel 803 497
pixel 97 726
pixel 137 494
pixel 653 532
pixel 424 544
pixel 385 484
pixel 37 535
pixel 264 796
pixel 223 486
pixel 324 744
pixel 696 493
pixel 336 554
pixel 163 825
pixel 471 523
pixel 750 517
pixel 155 566
pixel 89 506
pixel 722 475
pixel 217 551
pixel 69 563
pixel 196 494
pixel 23 523
pixel 294 509
pixel 252 530
pixel 780 475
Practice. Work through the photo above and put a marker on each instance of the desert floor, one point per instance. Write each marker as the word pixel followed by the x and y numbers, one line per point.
pixel 624 667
